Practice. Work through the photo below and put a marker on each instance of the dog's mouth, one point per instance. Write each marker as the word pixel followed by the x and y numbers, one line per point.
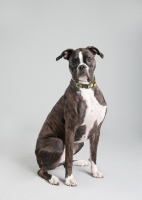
pixel 83 77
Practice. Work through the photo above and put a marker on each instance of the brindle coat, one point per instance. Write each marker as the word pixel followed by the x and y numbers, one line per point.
pixel 63 127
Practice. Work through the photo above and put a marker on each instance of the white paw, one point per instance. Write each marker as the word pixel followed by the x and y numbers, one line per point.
pixel 95 171
pixel 80 163
pixel 54 180
pixel 70 181
pixel 97 174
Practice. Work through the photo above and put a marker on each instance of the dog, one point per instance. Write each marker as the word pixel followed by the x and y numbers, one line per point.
pixel 76 117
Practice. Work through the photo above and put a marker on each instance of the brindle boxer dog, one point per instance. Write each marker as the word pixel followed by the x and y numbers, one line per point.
pixel 76 117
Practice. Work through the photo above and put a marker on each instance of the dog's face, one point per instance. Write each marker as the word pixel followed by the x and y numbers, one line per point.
pixel 81 63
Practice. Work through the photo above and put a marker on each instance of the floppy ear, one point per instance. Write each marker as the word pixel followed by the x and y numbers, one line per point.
pixel 95 51
pixel 65 54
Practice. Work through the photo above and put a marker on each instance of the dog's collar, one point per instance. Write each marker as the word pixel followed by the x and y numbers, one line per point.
pixel 87 86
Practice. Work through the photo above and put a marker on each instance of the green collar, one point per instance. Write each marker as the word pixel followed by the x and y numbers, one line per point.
pixel 87 86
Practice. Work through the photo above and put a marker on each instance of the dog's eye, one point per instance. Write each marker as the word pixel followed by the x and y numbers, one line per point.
pixel 74 61
pixel 88 59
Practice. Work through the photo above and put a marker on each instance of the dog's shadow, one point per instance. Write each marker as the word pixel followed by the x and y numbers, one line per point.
pixel 28 163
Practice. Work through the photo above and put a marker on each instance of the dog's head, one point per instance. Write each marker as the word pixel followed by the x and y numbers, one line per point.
pixel 81 62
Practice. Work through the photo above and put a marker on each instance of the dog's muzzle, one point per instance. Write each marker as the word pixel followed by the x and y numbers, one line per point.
pixel 82 67
pixel 82 70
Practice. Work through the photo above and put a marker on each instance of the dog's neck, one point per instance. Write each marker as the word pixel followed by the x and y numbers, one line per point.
pixel 85 84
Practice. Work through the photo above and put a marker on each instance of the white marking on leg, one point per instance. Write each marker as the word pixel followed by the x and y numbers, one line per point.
pixel 80 163
pixel 95 171
pixel 62 158
pixel 54 180
pixel 70 181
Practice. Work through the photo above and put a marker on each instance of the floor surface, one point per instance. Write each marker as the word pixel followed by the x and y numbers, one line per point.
pixel 119 161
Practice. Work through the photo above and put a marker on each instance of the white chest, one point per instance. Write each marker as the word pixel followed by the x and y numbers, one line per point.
pixel 94 112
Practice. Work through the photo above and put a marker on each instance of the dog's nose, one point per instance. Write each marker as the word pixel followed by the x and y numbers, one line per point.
pixel 81 67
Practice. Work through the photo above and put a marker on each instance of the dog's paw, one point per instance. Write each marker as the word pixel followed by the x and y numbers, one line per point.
pixel 70 181
pixel 54 180
pixel 80 163
pixel 97 174
pixel 94 169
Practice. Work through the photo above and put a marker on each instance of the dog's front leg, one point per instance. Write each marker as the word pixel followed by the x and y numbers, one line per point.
pixel 69 141
pixel 93 153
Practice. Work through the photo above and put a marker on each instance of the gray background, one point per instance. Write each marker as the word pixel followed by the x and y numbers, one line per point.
pixel 32 35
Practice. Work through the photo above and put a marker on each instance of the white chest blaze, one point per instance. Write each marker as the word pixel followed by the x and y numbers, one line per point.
pixel 94 112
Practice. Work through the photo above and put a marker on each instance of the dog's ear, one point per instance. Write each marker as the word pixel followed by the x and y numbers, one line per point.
pixel 65 54
pixel 95 51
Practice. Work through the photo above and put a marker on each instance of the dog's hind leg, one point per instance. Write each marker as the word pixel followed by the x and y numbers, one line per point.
pixel 50 178
pixel 77 148
pixel 81 163
pixel 48 158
